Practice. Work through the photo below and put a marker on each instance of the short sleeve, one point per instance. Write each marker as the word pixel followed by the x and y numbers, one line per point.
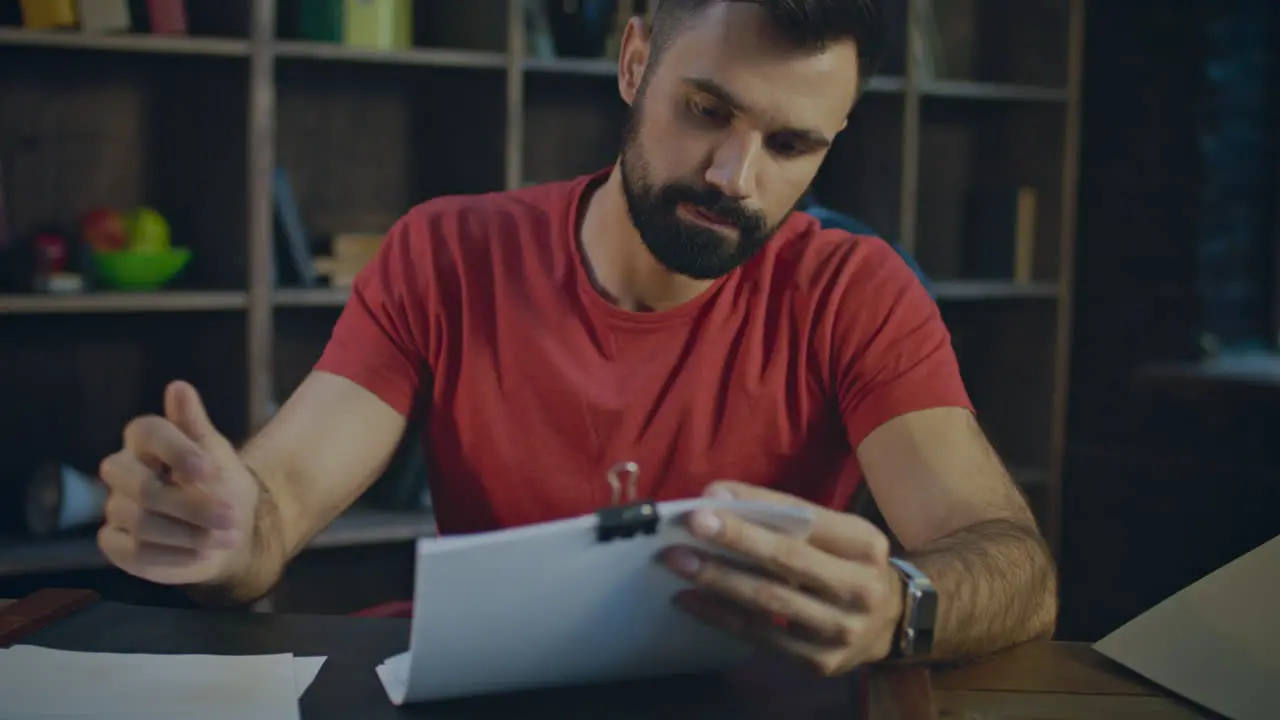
pixel 379 340
pixel 891 352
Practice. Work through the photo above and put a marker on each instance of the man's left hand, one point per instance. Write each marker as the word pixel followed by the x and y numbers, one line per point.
pixel 830 600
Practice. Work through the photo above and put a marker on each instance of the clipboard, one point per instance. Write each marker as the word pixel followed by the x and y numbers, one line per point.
pixel 577 601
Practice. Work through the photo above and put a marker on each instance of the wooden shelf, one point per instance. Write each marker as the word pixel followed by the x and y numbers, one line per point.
pixel 886 84
pixel 968 89
pixel 597 67
pixel 974 90
pixel 124 302
pixel 571 66
pixel 959 290
pixel 125 43
pixel 358 526
pixel 429 57
pixel 312 297
pixel 1255 373
pixel 227 47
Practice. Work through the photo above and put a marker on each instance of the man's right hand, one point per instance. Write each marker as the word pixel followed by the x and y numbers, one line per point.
pixel 181 503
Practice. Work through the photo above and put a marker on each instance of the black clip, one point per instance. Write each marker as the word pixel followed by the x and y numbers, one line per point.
pixel 626 520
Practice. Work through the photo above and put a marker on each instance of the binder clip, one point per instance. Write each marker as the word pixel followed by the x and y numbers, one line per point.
pixel 627 516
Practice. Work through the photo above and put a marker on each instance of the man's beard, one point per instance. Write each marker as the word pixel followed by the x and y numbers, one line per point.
pixel 681 246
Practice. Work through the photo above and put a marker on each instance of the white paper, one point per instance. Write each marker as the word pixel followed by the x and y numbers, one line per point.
pixel 305 670
pixel 40 683
pixel 547 605
pixel 1216 642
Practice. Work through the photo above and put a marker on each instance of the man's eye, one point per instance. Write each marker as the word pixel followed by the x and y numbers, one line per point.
pixel 785 147
pixel 708 112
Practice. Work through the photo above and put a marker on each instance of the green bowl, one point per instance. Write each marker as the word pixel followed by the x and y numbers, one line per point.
pixel 136 270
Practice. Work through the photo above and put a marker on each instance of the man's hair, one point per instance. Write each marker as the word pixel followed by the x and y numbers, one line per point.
pixel 809 24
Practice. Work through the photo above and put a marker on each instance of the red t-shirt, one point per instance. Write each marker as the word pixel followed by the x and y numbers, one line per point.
pixel 478 316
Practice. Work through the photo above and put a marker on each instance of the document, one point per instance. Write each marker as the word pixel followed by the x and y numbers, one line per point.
pixel 552 604
pixel 1216 641
pixel 39 683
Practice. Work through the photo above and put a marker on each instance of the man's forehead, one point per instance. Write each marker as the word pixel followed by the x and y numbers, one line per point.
pixel 733 45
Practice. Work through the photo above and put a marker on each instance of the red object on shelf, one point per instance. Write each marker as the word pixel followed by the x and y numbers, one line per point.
pixel 103 229
pixel 167 17
pixel 51 253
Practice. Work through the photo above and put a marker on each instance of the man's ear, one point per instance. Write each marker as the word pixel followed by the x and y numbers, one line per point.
pixel 633 57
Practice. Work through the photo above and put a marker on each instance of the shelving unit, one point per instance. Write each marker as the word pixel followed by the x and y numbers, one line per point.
pixel 195 126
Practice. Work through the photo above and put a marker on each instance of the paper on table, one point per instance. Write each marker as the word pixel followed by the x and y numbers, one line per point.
pixel 1215 641
pixel 38 682
pixel 305 670
pixel 548 605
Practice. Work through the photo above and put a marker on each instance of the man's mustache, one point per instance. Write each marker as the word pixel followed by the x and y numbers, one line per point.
pixel 714 202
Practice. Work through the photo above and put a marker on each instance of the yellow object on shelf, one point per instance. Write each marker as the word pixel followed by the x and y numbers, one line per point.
pixel 378 24
pixel 48 14
pixel 147 229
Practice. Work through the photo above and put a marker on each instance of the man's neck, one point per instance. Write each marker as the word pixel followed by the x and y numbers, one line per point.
pixel 619 264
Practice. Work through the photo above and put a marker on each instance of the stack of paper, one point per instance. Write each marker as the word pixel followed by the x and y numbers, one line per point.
pixel 38 683
pixel 550 604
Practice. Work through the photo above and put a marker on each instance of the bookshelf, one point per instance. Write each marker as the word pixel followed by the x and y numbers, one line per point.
pixel 196 126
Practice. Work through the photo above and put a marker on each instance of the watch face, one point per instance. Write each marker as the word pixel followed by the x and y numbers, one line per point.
pixel 926 615
pixel 926 618
pixel 921 615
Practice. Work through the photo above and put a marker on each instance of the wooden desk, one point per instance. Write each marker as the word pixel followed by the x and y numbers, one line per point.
pixel 1038 681
pixel 1054 681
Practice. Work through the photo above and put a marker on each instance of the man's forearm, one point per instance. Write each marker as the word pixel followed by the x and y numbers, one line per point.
pixel 997 587
pixel 263 560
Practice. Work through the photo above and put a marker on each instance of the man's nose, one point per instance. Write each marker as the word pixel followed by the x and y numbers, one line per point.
pixel 733 167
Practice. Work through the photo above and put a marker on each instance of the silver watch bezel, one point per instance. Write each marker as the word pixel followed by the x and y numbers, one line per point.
pixel 916 632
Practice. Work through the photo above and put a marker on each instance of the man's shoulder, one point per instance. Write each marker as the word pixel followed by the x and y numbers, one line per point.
pixel 453 243
pixel 815 258
pixel 499 214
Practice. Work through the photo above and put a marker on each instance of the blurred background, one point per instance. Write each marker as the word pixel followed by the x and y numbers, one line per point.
pixel 187 188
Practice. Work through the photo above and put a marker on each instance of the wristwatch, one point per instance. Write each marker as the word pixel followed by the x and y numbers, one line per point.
pixel 919 612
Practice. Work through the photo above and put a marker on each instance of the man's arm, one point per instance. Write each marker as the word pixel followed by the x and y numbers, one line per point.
pixel 324 448
pixel 896 383
pixel 335 435
pixel 950 502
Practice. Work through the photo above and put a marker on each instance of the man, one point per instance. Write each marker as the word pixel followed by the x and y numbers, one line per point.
pixel 672 311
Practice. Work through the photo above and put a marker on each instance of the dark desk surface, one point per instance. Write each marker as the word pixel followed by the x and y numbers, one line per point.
pixel 1040 680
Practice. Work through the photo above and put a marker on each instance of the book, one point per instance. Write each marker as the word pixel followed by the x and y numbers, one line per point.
pixel 1000 238
pixel 166 17
pixel 104 16
pixel 293 264
pixel 48 14
pixel 378 24
pixel 320 20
